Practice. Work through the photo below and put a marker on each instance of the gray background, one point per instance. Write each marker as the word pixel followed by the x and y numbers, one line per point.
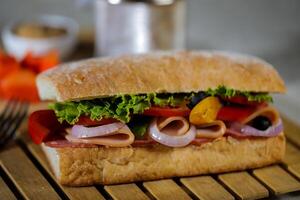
pixel 266 28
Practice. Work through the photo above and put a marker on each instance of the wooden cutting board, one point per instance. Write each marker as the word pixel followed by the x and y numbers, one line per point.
pixel 25 174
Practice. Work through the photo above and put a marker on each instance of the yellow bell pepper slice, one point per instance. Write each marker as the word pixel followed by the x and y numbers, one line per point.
pixel 205 111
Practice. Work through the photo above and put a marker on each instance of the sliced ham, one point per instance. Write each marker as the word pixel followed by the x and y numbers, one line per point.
pixel 211 130
pixel 176 131
pixel 120 138
pixel 173 125
pixel 269 112
pixel 80 131
pixel 143 142
pixel 172 131
pixel 200 141
pixel 244 129
pixel 63 143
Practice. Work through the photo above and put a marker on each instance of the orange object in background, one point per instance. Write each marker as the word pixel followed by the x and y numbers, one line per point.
pixel 20 85
pixel 8 64
pixel 17 79
pixel 39 64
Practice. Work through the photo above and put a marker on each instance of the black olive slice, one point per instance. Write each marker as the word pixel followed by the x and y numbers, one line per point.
pixel 261 123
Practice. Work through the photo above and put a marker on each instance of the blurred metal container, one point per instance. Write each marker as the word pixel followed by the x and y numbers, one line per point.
pixel 136 26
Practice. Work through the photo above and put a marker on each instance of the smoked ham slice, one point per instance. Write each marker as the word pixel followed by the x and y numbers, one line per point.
pixel 211 130
pixel 65 143
pixel 170 131
pixel 269 112
pixel 179 126
pixel 173 125
pixel 121 138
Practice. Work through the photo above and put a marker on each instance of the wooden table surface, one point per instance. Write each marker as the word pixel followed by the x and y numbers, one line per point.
pixel 25 174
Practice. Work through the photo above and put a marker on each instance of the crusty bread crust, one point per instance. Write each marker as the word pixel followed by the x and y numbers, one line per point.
pixel 88 166
pixel 170 72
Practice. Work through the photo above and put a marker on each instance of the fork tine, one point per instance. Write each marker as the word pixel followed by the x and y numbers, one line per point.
pixel 9 114
pixel 10 130
pixel 12 125
pixel 9 104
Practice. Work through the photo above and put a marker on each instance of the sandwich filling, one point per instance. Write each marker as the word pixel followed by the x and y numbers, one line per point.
pixel 173 120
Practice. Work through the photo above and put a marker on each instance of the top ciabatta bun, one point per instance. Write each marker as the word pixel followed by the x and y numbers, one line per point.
pixel 160 72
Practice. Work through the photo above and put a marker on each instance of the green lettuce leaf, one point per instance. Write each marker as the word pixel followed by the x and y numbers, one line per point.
pixel 123 106
pixel 228 92
pixel 118 107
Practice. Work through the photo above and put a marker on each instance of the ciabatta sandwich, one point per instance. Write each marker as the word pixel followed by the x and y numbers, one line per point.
pixel 159 115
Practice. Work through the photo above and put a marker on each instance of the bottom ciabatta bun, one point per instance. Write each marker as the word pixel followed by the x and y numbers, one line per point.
pixel 104 165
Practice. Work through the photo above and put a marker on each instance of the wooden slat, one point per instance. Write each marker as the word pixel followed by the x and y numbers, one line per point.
pixel 295 169
pixel 277 179
pixel 5 192
pixel 244 185
pixel 206 188
pixel 73 193
pixel 292 130
pixel 165 190
pixel 78 193
pixel 125 192
pixel 29 181
pixel 292 154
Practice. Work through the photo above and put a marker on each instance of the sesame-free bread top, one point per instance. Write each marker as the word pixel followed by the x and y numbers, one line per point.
pixel 160 72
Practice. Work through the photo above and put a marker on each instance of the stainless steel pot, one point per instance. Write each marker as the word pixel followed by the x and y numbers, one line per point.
pixel 135 26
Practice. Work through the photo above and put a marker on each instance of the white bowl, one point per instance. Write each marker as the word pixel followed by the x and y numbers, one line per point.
pixel 18 46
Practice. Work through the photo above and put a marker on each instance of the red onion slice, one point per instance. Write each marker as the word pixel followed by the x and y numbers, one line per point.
pixel 171 141
pixel 80 131
pixel 251 131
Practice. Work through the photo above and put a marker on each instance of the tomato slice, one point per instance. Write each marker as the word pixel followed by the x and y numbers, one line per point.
pixel 235 113
pixel 42 124
pixel 87 121
pixel 167 111
pixel 243 101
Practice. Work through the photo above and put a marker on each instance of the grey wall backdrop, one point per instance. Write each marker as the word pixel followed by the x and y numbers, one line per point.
pixel 266 28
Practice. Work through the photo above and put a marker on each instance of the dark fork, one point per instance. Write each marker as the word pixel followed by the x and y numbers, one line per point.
pixel 10 120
